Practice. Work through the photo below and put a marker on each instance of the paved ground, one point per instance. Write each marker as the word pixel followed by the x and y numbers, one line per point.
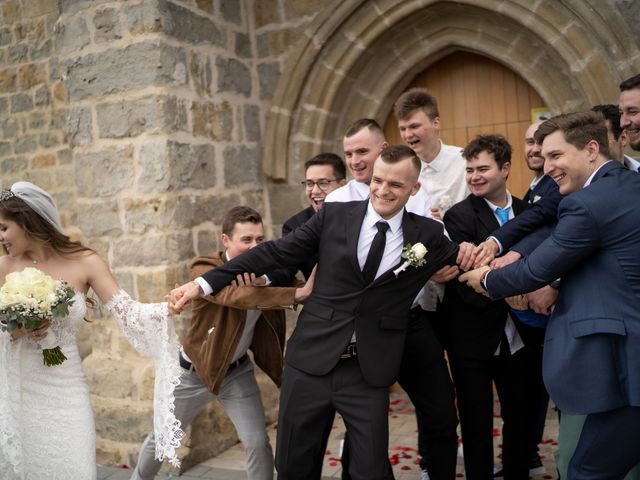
pixel 402 441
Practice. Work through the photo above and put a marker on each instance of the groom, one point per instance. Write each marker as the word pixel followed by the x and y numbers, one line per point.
pixel 347 346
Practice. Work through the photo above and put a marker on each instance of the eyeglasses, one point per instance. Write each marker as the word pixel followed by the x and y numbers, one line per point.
pixel 322 184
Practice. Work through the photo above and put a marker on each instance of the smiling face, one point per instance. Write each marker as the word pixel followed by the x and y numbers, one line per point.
pixel 420 132
pixel 630 119
pixel 391 186
pixel 320 174
pixel 569 167
pixel 532 154
pixel 485 179
pixel 244 237
pixel 361 151
pixel 13 238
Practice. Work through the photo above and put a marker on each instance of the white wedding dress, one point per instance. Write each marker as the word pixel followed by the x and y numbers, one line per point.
pixel 46 422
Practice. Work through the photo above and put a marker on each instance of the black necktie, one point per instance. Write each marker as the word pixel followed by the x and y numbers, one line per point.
pixel 374 257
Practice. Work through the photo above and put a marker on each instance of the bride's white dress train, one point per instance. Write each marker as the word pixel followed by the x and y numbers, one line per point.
pixel 46 423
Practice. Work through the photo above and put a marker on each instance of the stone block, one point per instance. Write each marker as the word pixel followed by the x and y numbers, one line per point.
pixel 294 9
pixel 268 75
pixel 31 75
pixel 13 166
pixel 49 139
pixel 107 376
pixel 187 26
pixel 157 114
pixel 43 160
pixel 27 144
pixel 99 219
pixel 107 25
pixel 78 123
pixel 33 32
pixel 9 12
pixel 207 241
pixel 6 37
pixel 21 102
pixel 275 43
pixel 174 165
pixel 9 128
pixel 212 120
pixel 38 120
pixel 93 168
pixel 59 92
pixel 231 11
pixel 154 285
pixel 4 104
pixel 149 250
pixel 242 165
pixel 205 5
pixel 69 7
pixel 6 148
pixel 41 50
pixel 73 35
pixel 59 118
pixel 141 215
pixel 251 117
pixel 143 18
pixel 233 76
pixel 8 78
pixel 64 156
pixel 18 53
pixel 243 45
pixel 146 63
pixel 265 13
pixel 36 8
pixel 42 96
pixel 200 69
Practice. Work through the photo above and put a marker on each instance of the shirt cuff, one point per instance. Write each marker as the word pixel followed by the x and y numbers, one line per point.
pixel 206 288
pixel 497 243
pixel 483 280
pixel 267 281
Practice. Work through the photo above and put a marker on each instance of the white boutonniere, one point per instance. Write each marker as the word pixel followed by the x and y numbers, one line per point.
pixel 413 255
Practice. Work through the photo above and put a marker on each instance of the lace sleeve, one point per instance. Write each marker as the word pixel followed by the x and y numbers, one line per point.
pixel 10 443
pixel 150 330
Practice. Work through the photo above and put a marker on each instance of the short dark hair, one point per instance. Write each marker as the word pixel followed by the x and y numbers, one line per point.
pixel 239 215
pixel 630 83
pixel 396 153
pixel 358 125
pixel 497 145
pixel 611 113
pixel 331 159
pixel 578 129
pixel 414 99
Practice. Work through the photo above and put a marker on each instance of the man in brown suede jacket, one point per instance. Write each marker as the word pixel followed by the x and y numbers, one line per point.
pixel 214 354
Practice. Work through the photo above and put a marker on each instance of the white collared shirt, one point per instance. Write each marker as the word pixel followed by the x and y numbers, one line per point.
pixel 631 163
pixel 534 183
pixel 353 190
pixel 444 178
pixel 394 239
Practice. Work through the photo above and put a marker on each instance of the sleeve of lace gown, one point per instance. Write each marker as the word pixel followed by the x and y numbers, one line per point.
pixel 10 444
pixel 149 329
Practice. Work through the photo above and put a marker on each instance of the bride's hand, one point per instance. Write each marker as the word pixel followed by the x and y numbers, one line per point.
pixel 39 333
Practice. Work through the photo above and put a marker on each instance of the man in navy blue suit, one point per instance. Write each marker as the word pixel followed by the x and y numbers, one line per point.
pixel 592 343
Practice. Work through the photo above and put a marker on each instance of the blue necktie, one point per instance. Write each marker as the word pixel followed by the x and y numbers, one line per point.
pixel 503 214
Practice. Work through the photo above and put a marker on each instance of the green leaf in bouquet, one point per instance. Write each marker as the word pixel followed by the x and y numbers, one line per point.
pixel 60 310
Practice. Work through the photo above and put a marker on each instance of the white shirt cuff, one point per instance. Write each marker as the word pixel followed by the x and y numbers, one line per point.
pixel 206 288
pixel 497 243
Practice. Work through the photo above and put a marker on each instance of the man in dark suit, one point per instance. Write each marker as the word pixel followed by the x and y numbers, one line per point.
pixel 483 341
pixel 324 173
pixel 592 343
pixel 347 346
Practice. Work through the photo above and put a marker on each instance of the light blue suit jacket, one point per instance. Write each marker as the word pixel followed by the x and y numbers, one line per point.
pixel 591 357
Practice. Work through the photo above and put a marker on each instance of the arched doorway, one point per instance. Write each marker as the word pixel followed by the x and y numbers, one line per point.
pixel 479 95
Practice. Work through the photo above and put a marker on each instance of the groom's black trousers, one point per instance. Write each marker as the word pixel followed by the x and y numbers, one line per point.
pixel 424 375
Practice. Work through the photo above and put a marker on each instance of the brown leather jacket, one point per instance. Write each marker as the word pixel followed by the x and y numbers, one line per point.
pixel 217 323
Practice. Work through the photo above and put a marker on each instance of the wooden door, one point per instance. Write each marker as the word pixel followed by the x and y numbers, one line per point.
pixel 479 95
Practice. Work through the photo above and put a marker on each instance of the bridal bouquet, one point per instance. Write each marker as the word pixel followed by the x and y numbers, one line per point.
pixel 31 297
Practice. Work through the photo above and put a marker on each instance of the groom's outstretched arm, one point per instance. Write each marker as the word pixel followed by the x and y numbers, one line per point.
pixel 284 252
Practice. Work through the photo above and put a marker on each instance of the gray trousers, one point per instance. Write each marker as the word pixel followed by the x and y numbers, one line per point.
pixel 240 397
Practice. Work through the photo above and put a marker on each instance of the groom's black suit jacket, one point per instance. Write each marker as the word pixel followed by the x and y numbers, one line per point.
pixel 342 301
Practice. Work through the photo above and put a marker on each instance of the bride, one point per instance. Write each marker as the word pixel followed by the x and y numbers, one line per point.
pixel 46 423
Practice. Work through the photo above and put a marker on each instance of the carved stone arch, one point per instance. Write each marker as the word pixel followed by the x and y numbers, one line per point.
pixel 360 54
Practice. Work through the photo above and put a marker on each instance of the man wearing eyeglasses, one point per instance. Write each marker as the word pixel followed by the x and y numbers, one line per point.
pixel 324 173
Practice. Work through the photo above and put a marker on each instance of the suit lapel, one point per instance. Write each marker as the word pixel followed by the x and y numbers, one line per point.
pixel 606 168
pixel 484 214
pixel 355 218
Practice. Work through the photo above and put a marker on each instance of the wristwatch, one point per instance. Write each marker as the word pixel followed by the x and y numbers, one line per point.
pixel 483 280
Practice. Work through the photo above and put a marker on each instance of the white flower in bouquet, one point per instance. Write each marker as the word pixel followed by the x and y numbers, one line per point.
pixel 31 297
pixel 413 255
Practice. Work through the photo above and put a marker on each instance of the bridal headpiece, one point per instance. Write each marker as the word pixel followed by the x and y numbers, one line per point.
pixel 38 200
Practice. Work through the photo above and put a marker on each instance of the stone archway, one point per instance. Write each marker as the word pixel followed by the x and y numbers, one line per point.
pixel 359 55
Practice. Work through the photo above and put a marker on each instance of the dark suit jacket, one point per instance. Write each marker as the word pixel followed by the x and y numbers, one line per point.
pixel 341 301
pixel 541 212
pixel 289 226
pixel 474 323
pixel 592 345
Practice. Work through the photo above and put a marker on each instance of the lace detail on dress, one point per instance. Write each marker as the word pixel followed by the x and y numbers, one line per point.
pixel 10 444
pixel 150 330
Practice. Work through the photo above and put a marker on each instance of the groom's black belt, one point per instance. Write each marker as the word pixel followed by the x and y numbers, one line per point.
pixel 350 351
pixel 187 365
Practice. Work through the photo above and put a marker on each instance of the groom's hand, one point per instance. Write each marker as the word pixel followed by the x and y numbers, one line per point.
pixel 474 279
pixel 180 297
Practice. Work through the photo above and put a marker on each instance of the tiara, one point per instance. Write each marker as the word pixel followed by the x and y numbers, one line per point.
pixel 6 195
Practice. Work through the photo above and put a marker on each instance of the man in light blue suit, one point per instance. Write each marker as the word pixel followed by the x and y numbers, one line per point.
pixel 591 359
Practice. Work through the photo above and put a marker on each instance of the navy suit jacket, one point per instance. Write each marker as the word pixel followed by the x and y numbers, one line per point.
pixel 543 203
pixel 591 357
pixel 342 301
